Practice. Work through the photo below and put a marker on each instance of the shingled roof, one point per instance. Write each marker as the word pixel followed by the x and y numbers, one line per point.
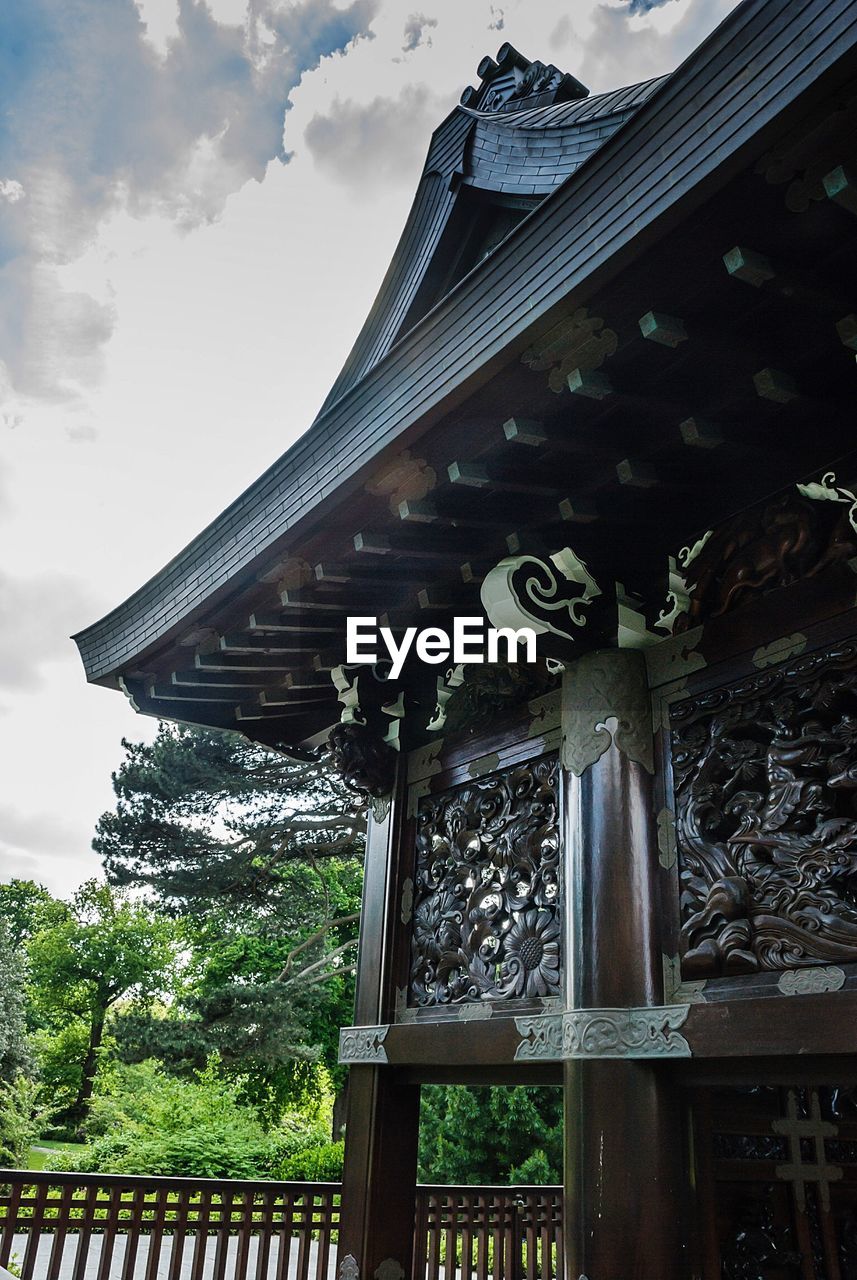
pixel 677 161
pixel 515 150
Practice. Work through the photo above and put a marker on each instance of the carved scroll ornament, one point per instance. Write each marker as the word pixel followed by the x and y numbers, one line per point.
pixel 765 775
pixel 362 1044
pixel 486 895
pixel 550 595
pixel 580 341
pixel 605 1033
pixel 606 701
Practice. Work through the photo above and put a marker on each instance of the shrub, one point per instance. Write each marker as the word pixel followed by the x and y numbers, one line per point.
pixel 321 1163
pixel 21 1119
pixel 150 1122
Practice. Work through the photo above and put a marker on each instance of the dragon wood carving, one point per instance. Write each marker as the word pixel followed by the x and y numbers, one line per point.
pixel 773 545
pixel 486 897
pixel 765 775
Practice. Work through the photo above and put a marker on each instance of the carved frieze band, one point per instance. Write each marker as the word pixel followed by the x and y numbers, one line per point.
pixel 606 702
pixel 362 1044
pixel 604 1033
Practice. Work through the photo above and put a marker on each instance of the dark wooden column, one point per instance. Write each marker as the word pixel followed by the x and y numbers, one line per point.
pixel 624 1154
pixel 382 1123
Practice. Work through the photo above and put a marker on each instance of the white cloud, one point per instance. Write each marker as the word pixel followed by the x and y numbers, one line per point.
pixel 98 119
pixel 11 191
pixel 341 139
pixel 416 29
pixel 37 845
pixel 37 616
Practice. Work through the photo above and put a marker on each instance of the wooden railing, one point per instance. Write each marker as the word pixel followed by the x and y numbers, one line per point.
pixel 76 1226
pixel 506 1233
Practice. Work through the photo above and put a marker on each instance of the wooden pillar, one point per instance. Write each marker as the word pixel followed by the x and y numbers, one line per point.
pixel 382 1120
pixel 624 1153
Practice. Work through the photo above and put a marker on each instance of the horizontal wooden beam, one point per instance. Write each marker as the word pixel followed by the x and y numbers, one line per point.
pixel 267 621
pixel 235 679
pixel 777 1026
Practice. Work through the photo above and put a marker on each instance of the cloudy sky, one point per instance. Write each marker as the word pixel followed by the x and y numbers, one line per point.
pixel 198 200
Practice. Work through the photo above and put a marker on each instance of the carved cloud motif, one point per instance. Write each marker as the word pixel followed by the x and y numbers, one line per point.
pixel 578 342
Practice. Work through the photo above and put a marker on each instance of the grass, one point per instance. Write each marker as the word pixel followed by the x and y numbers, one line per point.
pixel 37 1154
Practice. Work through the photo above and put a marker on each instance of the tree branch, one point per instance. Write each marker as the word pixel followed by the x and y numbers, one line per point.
pixel 316 937
pixel 325 960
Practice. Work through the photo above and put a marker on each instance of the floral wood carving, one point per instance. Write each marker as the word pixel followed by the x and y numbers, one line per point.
pixel 486 896
pixel 765 775
pixel 773 545
pixel 363 760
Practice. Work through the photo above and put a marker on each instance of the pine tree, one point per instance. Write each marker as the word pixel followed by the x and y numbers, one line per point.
pixel 261 858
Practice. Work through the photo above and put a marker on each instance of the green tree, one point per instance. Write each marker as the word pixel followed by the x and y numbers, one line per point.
pixel 103 948
pixel 20 1114
pixel 15 1056
pixel 482 1134
pixel 26 907
pixel 261 860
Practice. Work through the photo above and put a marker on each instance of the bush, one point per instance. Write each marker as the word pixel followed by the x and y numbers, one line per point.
pixel 149 1122
pixel 144 1120
pixel 322 1163
pixel 21 1120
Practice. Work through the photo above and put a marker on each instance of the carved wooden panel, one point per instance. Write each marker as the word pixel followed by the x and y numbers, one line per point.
pixel 783 541
pixel 780 1183
pixel 486 890
pixel 765 775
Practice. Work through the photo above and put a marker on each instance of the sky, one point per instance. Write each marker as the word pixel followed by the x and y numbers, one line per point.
pixel 198 201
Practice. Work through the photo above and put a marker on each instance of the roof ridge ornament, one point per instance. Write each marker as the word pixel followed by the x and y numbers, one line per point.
pixel 512 82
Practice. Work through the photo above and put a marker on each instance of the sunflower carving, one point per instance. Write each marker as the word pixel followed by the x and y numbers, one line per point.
pixel 487 890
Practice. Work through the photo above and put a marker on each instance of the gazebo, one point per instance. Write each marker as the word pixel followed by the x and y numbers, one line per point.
pixel 606 393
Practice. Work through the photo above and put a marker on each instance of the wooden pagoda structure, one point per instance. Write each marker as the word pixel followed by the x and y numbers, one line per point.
pixel 607 390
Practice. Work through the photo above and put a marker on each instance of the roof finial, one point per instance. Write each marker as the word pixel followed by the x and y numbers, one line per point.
pixel 511 82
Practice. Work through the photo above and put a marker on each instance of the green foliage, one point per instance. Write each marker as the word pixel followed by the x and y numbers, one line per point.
pixel 322 1163
pixel 142 1120
pixel 490 1135
pixel 14 1048
pixel 27 907
pixel 260 860
pixel 150 1122
pixel 91 952
pixel 22 1118
pixel 60 1055
pixel 101 948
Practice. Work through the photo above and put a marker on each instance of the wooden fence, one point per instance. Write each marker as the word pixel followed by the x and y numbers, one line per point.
pixel 58 1226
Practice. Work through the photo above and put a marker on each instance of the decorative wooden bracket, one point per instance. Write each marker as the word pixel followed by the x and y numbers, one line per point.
pixel 549 596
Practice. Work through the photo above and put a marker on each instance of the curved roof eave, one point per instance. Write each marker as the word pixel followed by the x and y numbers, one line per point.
pixel 704 123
